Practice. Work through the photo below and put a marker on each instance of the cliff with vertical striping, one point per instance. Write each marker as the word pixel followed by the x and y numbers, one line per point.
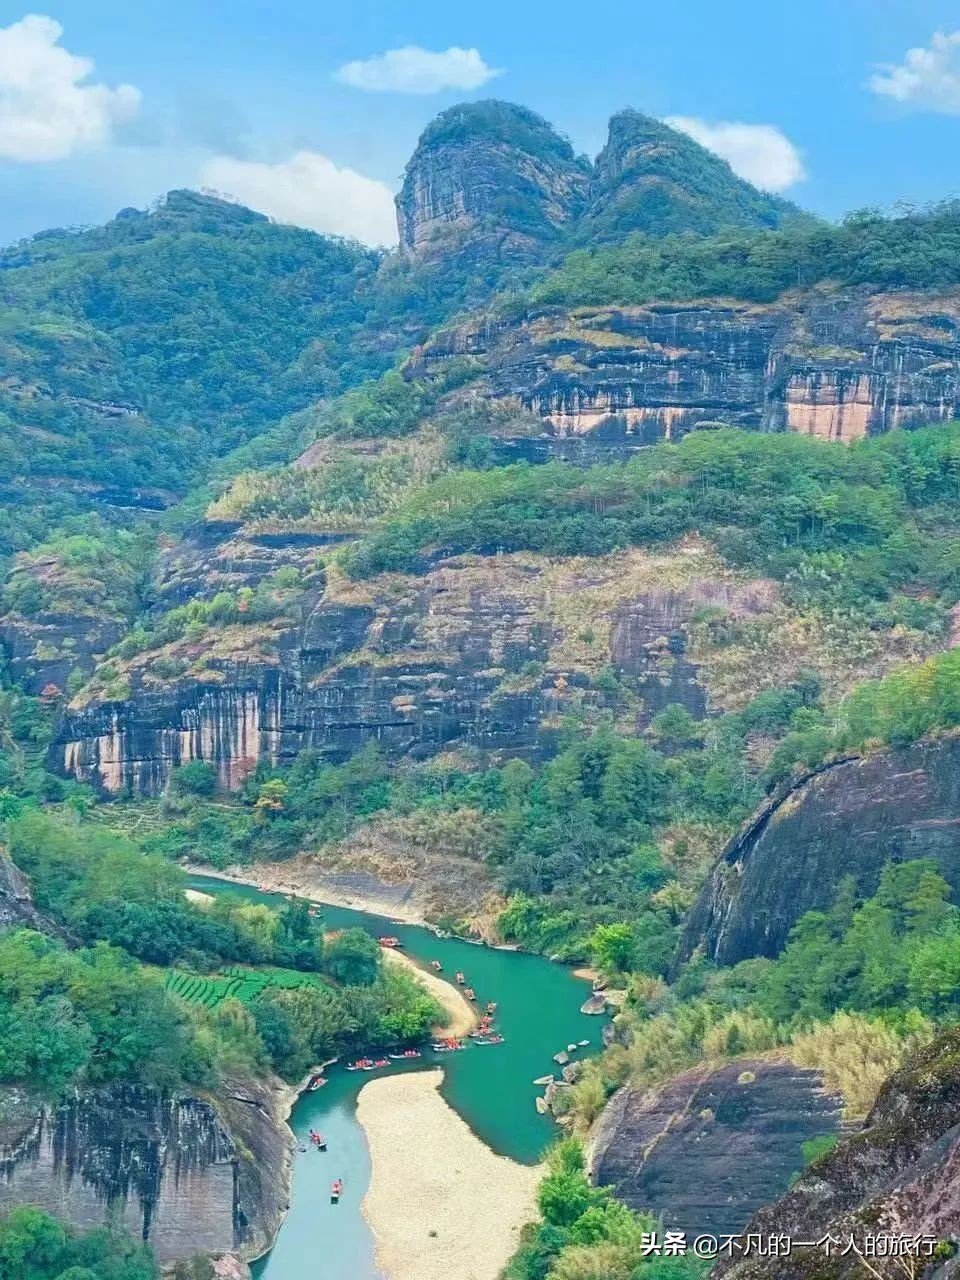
pixel 835 363
pixel 191 1175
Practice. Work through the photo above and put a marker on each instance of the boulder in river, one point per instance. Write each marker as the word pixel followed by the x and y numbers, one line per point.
pixel 597 1003
pixel 562 1057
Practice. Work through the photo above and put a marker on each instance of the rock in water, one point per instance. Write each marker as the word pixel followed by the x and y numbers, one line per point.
pixel 596 1004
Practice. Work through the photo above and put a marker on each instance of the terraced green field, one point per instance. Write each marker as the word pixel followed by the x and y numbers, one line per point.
pixel 234 982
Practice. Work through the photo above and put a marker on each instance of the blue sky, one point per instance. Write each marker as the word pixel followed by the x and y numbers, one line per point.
pixel 253 97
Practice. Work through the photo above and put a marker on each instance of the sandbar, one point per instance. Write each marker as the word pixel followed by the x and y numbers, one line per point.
pixel 440 1203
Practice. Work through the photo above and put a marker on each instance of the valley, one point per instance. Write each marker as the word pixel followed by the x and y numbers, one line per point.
pixel 571 594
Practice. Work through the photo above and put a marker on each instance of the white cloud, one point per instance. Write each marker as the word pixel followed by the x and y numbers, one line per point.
pixel 310 191
pixel 46 110
pixel 928 79
pixel 416 70
pixel 758 152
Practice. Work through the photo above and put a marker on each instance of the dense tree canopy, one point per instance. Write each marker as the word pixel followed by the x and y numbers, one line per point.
pixel 920 249
pixel 34 1246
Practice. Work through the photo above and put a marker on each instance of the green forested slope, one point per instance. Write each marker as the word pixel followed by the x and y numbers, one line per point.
pixel 170 337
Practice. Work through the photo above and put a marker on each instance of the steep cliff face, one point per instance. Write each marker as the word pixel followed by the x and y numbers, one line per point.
pixel 846 820
pixel 482 651
pixel 706 1150
pixel 898 1176
pixel 652 178
pixel 489 177
pixel 189 1175
pixel 835 364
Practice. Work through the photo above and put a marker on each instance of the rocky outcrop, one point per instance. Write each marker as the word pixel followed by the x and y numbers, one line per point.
pixel 16 903
pixel 43 652
pixel 705 1150
pixel 190 1175
pixel 490 178
pixel 845 820
pixel 481 651
pixel 831 363
pixel 899 1176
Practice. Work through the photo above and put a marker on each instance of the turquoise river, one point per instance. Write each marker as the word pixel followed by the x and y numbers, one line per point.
pixel 491 1087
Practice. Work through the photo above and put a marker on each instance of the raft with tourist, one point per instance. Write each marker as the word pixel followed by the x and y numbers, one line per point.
pixel 449 1045
pixel 336 1190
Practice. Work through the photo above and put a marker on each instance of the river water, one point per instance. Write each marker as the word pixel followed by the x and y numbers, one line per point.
pixel 491 1087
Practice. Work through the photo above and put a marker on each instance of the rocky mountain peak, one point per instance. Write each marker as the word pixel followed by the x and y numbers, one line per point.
pixel 495 180
pixel 634 141
pixel 489 172
pixel 652 178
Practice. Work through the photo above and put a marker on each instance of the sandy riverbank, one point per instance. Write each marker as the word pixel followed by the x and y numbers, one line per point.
pixel 280 877
pixel 461 1016
pixel 457 1210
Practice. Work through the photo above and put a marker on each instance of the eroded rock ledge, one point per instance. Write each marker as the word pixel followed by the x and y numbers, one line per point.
pixel 899 1175
pixel 486 652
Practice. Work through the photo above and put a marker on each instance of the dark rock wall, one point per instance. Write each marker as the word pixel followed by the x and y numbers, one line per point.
pixel 16 904
pixel 189 1176
pixel 706 1150
pixel 413 675
pixel 465 655
pixel 648 641
pixel 848 819
pixel 407 709
pixel 45 650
